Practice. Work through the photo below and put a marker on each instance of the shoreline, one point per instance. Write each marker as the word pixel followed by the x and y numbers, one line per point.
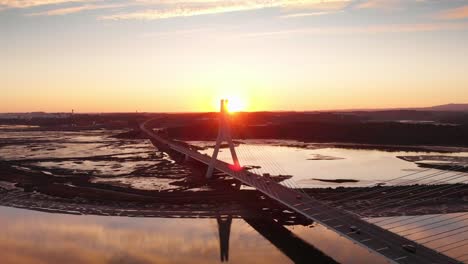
pixel 35 192
pixel 63 187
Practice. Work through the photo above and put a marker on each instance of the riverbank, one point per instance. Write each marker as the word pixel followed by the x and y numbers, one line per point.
pixel 38 191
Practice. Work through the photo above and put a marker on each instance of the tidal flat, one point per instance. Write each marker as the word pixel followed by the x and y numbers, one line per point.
pixel 109 182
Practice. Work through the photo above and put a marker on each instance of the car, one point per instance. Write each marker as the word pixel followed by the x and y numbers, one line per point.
pixel 409 248
pixel 355 229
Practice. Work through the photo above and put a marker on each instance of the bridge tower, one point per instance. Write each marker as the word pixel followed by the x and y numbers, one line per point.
pixel 224 134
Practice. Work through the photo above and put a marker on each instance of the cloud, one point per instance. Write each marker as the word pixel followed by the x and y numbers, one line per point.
pixel 75 9
pixel 455 13
pixel 34 3
pixel 391 28
pixel 161 9
pixel 185 32
pixel 382 4
pixel 307 14
pixel 372 4
pixel 175 8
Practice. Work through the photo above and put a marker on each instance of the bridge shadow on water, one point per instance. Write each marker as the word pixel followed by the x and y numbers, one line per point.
pixel 292 246
pixel 270 222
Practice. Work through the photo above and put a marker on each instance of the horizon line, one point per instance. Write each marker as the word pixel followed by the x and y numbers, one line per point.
pixel 258 111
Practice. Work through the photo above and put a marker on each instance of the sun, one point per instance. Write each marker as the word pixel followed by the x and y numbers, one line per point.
pixel 238 99
pixel 235 104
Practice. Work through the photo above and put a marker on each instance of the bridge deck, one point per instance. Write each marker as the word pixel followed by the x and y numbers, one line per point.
pixel 370 236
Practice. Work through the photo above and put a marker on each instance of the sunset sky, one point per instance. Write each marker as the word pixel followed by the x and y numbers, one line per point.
pixel 183 55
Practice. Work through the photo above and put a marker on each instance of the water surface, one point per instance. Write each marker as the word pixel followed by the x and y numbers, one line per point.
pixel 368 167
pixel 36 237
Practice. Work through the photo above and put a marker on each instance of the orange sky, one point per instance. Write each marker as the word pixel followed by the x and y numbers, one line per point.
pixel 168 56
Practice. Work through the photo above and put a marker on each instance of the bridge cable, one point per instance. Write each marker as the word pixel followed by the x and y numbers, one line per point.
pixel 368 233
pixel 461 256
pixel 340 220
pixel 411 190
pixel 439 188
pixel 425 219
pixel 439 238
pixel 406 219
pixel 438 173
pixel 425 194
pixel 416 188
pixel 420 201
pixel 380 205
pixel 432 228
pixel 432 223
pixel 450 244
pixel 388 188
pixel 385 182
pixel 261 176
pixel 291 183
pixel 258 179
pixel 275 168
pixel 455 247
pixel 451 177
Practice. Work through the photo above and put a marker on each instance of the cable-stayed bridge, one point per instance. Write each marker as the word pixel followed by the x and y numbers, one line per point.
pixel 392 246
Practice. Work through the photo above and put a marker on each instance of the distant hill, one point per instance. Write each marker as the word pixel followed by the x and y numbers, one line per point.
pixel 447 107
pixel 441 108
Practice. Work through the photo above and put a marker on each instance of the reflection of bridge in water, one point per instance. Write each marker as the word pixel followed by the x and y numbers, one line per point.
pixel 265 217
pixel 296 249
pixel 393 247
pixel 224 231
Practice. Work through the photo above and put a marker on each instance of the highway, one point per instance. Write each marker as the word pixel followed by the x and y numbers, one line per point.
pixel 372 237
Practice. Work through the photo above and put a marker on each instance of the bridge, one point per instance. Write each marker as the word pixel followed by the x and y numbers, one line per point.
pixel 395 248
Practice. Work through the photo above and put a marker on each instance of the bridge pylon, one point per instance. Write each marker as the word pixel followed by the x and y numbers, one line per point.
pixel 224 135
